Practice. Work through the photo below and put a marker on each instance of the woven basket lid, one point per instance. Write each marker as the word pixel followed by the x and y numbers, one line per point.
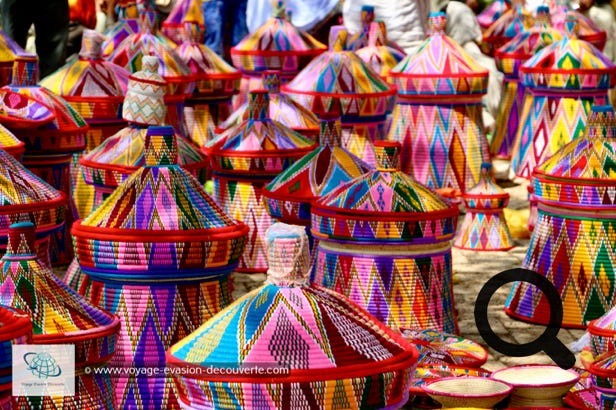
pixel 159 203
pixel 25 197
pixel 213 75
pixel 127 24
pixel 437 348
pixel 282 109
pixel 377 54
pixel 440 66
pixel 10 143
pixel 382 195
pixel 486 194
pixel 120 155
pixel 15 328
pixel 144 103
pixel 67 122
pixel 59 315
pixel 289 195
pixel 511 23
pixel 569 64
pixel 21 111
pixel 587 160
pixel 182 12
pixel 320 336
pixel 492 13
pixel 341 75
pixel 9 49
pixel 526 44
pixel 91 82
pixel 587 30
pixel 129 54
pixel 259 145
pixel 605 324
pixel 604 365
pixel 276 45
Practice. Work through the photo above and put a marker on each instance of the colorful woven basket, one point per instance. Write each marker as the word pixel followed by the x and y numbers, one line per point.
pixel 282 108
pixel 11 145
pixel 339 80
pixel 603 333
pixel 289 196
pixel 385 242
pixel 178 77
pixel 508 60
pixel 492 13
pixel 572 242
pixel 95 88
pixel 484 227
pixel 245 159
pixel 25 197
pixel 127 24
pixel 563 81
pixel 377 54
pixel 438 115
pixel 511 23
pixel 15 329
pixel 467 392
pixel 184 11
pixel 158 252
pixel 587 30
pixel 9 49
pixel 216 83
pixel 59 316
pixel 437 348
pixel 315 348
pixel 20 111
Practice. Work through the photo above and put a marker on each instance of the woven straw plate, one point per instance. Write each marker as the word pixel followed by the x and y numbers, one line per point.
pixel 467 391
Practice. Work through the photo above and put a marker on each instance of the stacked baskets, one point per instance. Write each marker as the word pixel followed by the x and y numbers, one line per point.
pixel 291 345
pixel 59 316
pixel 385 242
pixel 507 26
pixel 158 252
pixel 438 116
pixel 246 158
pixel 340 81
pixel 563 81
pixel 11 145
pixel 572 242
pixel 184 11
pixel 377 54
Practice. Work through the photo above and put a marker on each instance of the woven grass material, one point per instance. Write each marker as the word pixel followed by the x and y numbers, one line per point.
pixel 377 54
pixel 492 13
pixel 507 26
pixel 9 49
pixel 603 333
pixel 378 234
pixel 290 194
pixel 467 391
pixel 10 144
pixel 19 111
pixel 127 24
pixel 574 190
pixel 537 385
pixel 445 349
pixel 129 54
pixel 276 45
pixel 587 29
pixel 282 109
pixel 15 329
pixel 334 351
pixel 508 59
pixel 184 11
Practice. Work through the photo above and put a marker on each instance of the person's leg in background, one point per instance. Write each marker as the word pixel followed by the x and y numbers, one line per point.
pixel 51 21
pixel 17 17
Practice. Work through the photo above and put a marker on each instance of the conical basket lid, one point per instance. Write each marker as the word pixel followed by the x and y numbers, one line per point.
pixel 587 29
pixel 179 227
pixel 492 13
pixel 68 123
pixel 276 45
pixel 380 196
pixel 282 109
pixel 258 145
pixel 289 195
pixel 377 54
pixel 440 66
pixel 10 143
pixel 59 315
pixel 123 153
pixel 130 52
pixel 526 44
pixel 607 322
pixel 570 64
pixel 182 12
pixel 509 24
pixel 486 187
pixel 9 49
pixel 22 111
pixel 93 86
pixel 317 335
pixel 24 196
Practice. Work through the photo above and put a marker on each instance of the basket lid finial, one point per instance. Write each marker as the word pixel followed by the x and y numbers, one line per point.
pixel 271 81
pixel 144 101
pixel 437 23
pixel 571 26
pixel 160 146
pixel 21 239
pixel 330 130
pixel 258 105
pixel 288 255
pixel 601 122
pixel 337 38
pixel 25 70
pixel 387 155
pixel 91 45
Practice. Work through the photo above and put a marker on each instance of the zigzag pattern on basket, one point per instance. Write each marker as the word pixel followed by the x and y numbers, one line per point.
pixel 401 291
pixel 442 146
pixel 492 13
pixel 507 26
pixel 10 143
pixel 377 54
pixel 114 36
pixel 587 30
pixel 507 118
pixel 576 255
pixel 183 12
pixel 21 111
pixel 547 124
pixel 484 231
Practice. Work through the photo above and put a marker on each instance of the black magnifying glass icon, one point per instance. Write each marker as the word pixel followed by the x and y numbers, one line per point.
pixel 547 342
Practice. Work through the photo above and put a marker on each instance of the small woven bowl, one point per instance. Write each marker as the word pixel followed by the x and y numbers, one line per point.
pixel 467 391
pixel 537 385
